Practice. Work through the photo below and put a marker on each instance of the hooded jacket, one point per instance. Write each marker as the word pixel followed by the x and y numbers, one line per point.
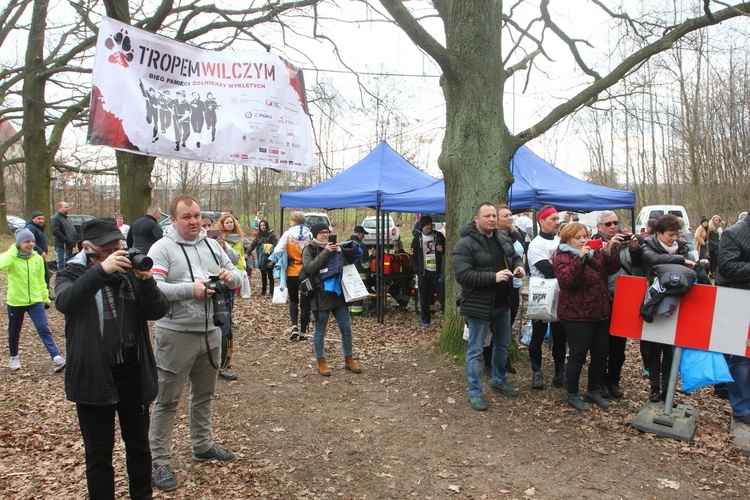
pixel 88 374
pixel 472 265
pixel 417 257
pixel 314 260
pixel 292 242
pixel 26 285
pixel 177 265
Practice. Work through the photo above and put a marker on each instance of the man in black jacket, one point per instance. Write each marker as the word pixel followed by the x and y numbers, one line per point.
pixel 427 250
pixel 111 367
pixel 484 262
pixel 734 271
pixel 145 231
pixel 64 233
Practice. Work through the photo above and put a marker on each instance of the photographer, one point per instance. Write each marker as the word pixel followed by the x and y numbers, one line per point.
pixel 106 299
pixel 188 340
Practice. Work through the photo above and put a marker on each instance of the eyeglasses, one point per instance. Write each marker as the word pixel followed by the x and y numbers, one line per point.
pixel 609 224
pixel 324 232
pixel 105 251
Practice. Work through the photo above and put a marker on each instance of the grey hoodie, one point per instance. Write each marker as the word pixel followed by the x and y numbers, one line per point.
pixel 172 275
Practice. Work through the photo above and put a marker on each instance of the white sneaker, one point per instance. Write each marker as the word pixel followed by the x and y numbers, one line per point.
pixel 14 364
pixel 58 363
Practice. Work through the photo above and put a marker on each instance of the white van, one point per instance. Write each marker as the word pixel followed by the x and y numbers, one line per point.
pixel 656 211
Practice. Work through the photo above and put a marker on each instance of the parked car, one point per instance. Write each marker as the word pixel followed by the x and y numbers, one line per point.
pixel 77 220
pixel 656 211
pixel 315 218
pixel 370 224
pixel 14 222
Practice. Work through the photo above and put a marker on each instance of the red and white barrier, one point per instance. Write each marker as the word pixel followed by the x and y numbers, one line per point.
pixel 708 318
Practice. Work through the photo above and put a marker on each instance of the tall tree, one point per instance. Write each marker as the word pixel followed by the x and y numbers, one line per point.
pixel 475 63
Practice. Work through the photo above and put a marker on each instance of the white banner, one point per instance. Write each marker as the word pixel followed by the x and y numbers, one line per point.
pixel 155 96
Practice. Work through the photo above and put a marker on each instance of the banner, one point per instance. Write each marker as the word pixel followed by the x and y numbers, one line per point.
pixel 155 96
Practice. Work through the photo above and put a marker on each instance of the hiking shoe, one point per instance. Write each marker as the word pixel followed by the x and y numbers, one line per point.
pixel 477 403
pixel 558 381
pixel 295 333
pixel 214 452
pixel 537 380
pixel 504 389
pixel 228 374
pixel 604 391
pixel 14 364
pixel 654 396
pixel 616 392
pixel 58 363
pixel 163 478
pixel 576 402
pixel 510 368
pixel 425 326
pixel 597 399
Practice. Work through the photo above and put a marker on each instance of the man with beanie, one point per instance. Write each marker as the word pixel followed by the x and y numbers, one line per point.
pixel 64 233
pixel 36 226
pixel 27 294
pixel 324 261
pixel 427 250
pixel 107 304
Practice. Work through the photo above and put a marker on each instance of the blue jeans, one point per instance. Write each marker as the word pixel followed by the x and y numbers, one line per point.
pixel 39 318
pixel 739 390
pixel 63 255
pixel 341 315
pixel 499 326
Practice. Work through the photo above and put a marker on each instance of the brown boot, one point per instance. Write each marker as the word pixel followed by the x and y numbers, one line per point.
pixel 351 365
pixel 323 367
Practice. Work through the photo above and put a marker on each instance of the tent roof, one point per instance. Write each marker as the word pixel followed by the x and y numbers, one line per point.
pixel 383 170
pixel 537 183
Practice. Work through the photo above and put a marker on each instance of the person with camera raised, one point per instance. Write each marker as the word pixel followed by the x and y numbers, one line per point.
pixel 107 299
pixel 485 262
pixel 629 250
pixel 191 270
pixel 324 261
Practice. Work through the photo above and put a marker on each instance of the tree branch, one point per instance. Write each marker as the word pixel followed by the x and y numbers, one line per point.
pixel 570 42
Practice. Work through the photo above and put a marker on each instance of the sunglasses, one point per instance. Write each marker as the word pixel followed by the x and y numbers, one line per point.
pixel 609 224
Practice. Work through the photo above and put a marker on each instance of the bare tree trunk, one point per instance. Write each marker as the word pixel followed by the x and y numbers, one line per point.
pixel 135 196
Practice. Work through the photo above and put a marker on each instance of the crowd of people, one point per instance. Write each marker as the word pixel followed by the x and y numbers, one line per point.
pixel 189 273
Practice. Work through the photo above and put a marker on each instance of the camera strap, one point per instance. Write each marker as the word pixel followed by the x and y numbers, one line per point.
pixel 205 299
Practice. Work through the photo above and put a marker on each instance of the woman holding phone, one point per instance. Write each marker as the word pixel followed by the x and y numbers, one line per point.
pixel 584 307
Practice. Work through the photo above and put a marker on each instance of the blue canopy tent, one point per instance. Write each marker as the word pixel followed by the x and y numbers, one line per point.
pixel 537 183
pixel 382 171
pixel 363 184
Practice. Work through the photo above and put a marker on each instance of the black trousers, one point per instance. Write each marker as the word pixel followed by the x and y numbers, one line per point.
pixel 429 284
pixel 299 304
pixel 97 425
pixel 584 337
pixel 538 331
pixel 659 365
pixel 616 359
pixel 266 276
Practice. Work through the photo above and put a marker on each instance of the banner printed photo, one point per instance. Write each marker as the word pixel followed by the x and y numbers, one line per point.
pixel 158 97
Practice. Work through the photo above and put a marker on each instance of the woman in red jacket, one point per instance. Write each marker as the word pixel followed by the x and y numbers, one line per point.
pixel 584 308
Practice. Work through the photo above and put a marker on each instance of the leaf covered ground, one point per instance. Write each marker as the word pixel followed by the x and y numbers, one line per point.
pixel 403 428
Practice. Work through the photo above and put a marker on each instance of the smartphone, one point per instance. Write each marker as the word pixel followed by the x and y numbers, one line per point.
pixel 595 244
pixel 333 239
pixel 213 233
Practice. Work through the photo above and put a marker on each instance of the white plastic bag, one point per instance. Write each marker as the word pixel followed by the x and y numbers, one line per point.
pixel 487 336
pixel 279 296
pixel 351 283
pixel 542 299
pixel 245 287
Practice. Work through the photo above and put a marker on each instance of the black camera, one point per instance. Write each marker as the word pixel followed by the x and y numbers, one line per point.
pixel 221 314
pixel 627 237
pixel 139 261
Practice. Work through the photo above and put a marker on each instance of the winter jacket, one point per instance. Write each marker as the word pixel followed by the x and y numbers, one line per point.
pixel 734 256
pixel 293 241
pixel 177 265
pixel 143 233
pixel 583 285
pixel 26 285
pixel 314 259
pixel 40 239
pixel 63 231
pixel 261 239
pixel 88 374
pixel 472 265
pixel 417 255
pixel 239 249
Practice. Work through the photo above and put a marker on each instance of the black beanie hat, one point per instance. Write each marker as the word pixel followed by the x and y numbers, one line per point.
pixel 35 214
pixel 320 226
pixel 425 221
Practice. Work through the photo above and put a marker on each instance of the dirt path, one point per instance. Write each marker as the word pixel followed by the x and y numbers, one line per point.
pixel 402 428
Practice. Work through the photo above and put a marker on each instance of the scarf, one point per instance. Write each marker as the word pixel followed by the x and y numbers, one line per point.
pixel 564 247
pixel 320 243
pixel 24 255
pixel 120 329
pixel 232 238
pixel 670 250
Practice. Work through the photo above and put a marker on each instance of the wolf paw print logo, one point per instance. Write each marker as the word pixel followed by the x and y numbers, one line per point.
pixel 120 44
